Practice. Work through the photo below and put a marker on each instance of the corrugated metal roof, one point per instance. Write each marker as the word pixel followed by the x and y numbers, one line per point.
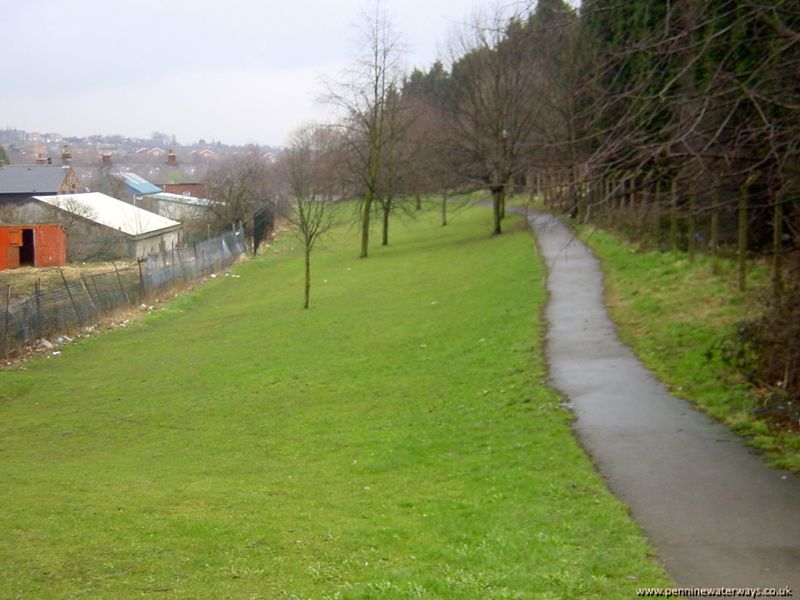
pixel 138 184
pixel 32 179
pixel 184 199
pixel 111 212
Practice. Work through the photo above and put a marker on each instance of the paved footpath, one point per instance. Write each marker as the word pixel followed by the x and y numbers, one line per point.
pixel 716 515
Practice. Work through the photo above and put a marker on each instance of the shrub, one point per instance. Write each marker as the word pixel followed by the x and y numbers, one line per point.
pixel 766 350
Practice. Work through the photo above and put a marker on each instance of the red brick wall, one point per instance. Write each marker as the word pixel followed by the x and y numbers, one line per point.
pixel 194 189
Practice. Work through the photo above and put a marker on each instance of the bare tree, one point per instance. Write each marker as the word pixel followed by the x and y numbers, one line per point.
pixel 432 167
pixel 396 177
pixel 239 187
pixel 75 217
pixel 492 113
pixel 306 168
pixel 365 96
pixel 105 182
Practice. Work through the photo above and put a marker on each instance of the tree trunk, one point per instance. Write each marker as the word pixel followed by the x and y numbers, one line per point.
pixel 777 247
pixel 497 200
pixel 558 198
pixel 743 198
pixel 623 200
pixel 593 195
pixel 387 208
pixel 656 202
pixel 715 230
pixel 673 215
pixel 444 210
pixel 308 278
pixel 367 209
pixel 691 225
pixel 503 202
pixel 648 203
pixel 580 200
pixel 419 202
pixel 572 195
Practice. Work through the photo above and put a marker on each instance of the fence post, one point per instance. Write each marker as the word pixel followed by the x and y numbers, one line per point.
pixel 71 299
pixel 37 295
pixel 121 287
pixel 88 294
pixel 187 277
pixel 97 293
pixel 141 281
pixel 5 321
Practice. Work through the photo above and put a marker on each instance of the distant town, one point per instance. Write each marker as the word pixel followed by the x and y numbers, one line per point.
pixel 110 197
pixel 159 159
pixel 141 155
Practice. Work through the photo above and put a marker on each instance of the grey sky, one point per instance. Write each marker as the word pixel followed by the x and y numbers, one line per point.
pixel 233 70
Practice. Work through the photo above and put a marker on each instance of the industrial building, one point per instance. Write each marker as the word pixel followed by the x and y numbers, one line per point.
pixel 99 227
pixel 42 245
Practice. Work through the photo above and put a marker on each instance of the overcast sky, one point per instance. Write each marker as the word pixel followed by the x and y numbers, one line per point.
pixel 238 71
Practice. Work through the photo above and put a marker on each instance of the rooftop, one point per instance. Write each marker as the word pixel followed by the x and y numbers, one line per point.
pixel 111 212
pixel 32 179
pixel 183 199
pixel 137 183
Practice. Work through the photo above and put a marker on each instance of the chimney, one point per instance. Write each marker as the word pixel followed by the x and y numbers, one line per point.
pixel 105 160
pixel 172 160
pixel 40 159
pixel 66 156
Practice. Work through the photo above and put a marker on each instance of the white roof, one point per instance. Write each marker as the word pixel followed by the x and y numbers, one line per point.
pixel 182 199
pixel 110 212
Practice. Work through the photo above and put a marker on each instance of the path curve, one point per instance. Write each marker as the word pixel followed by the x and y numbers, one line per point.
pixel 716 515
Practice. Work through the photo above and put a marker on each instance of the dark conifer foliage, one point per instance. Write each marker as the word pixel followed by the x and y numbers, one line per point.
pixel 677 123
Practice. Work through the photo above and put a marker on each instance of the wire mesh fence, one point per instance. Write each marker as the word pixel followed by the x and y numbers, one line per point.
pixel 80 301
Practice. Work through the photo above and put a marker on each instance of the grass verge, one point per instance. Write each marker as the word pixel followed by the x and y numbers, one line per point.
pixel 675 314
pixel 395 441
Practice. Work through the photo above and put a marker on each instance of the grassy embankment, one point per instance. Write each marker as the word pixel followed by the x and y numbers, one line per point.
pixel 675 314
pixel 395 441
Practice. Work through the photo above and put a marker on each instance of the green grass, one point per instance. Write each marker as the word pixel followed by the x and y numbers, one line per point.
pixel 394 441
pixel 675 314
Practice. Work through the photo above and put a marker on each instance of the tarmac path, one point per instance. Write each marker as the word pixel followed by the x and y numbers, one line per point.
pixel 715 514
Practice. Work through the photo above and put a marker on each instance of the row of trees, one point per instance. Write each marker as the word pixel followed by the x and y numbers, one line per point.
pixel 678 122
pixel 677 118
pixel 693 111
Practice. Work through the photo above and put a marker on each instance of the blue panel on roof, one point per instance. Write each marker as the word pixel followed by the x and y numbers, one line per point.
pixel 139 184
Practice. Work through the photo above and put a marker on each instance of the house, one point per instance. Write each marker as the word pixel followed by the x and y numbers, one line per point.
pixel 185 188
pixel 99 227
pixel 204 154
pixel 176 178
pixel 19 182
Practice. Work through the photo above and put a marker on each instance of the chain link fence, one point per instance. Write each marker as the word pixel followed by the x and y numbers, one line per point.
pixel 43 312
